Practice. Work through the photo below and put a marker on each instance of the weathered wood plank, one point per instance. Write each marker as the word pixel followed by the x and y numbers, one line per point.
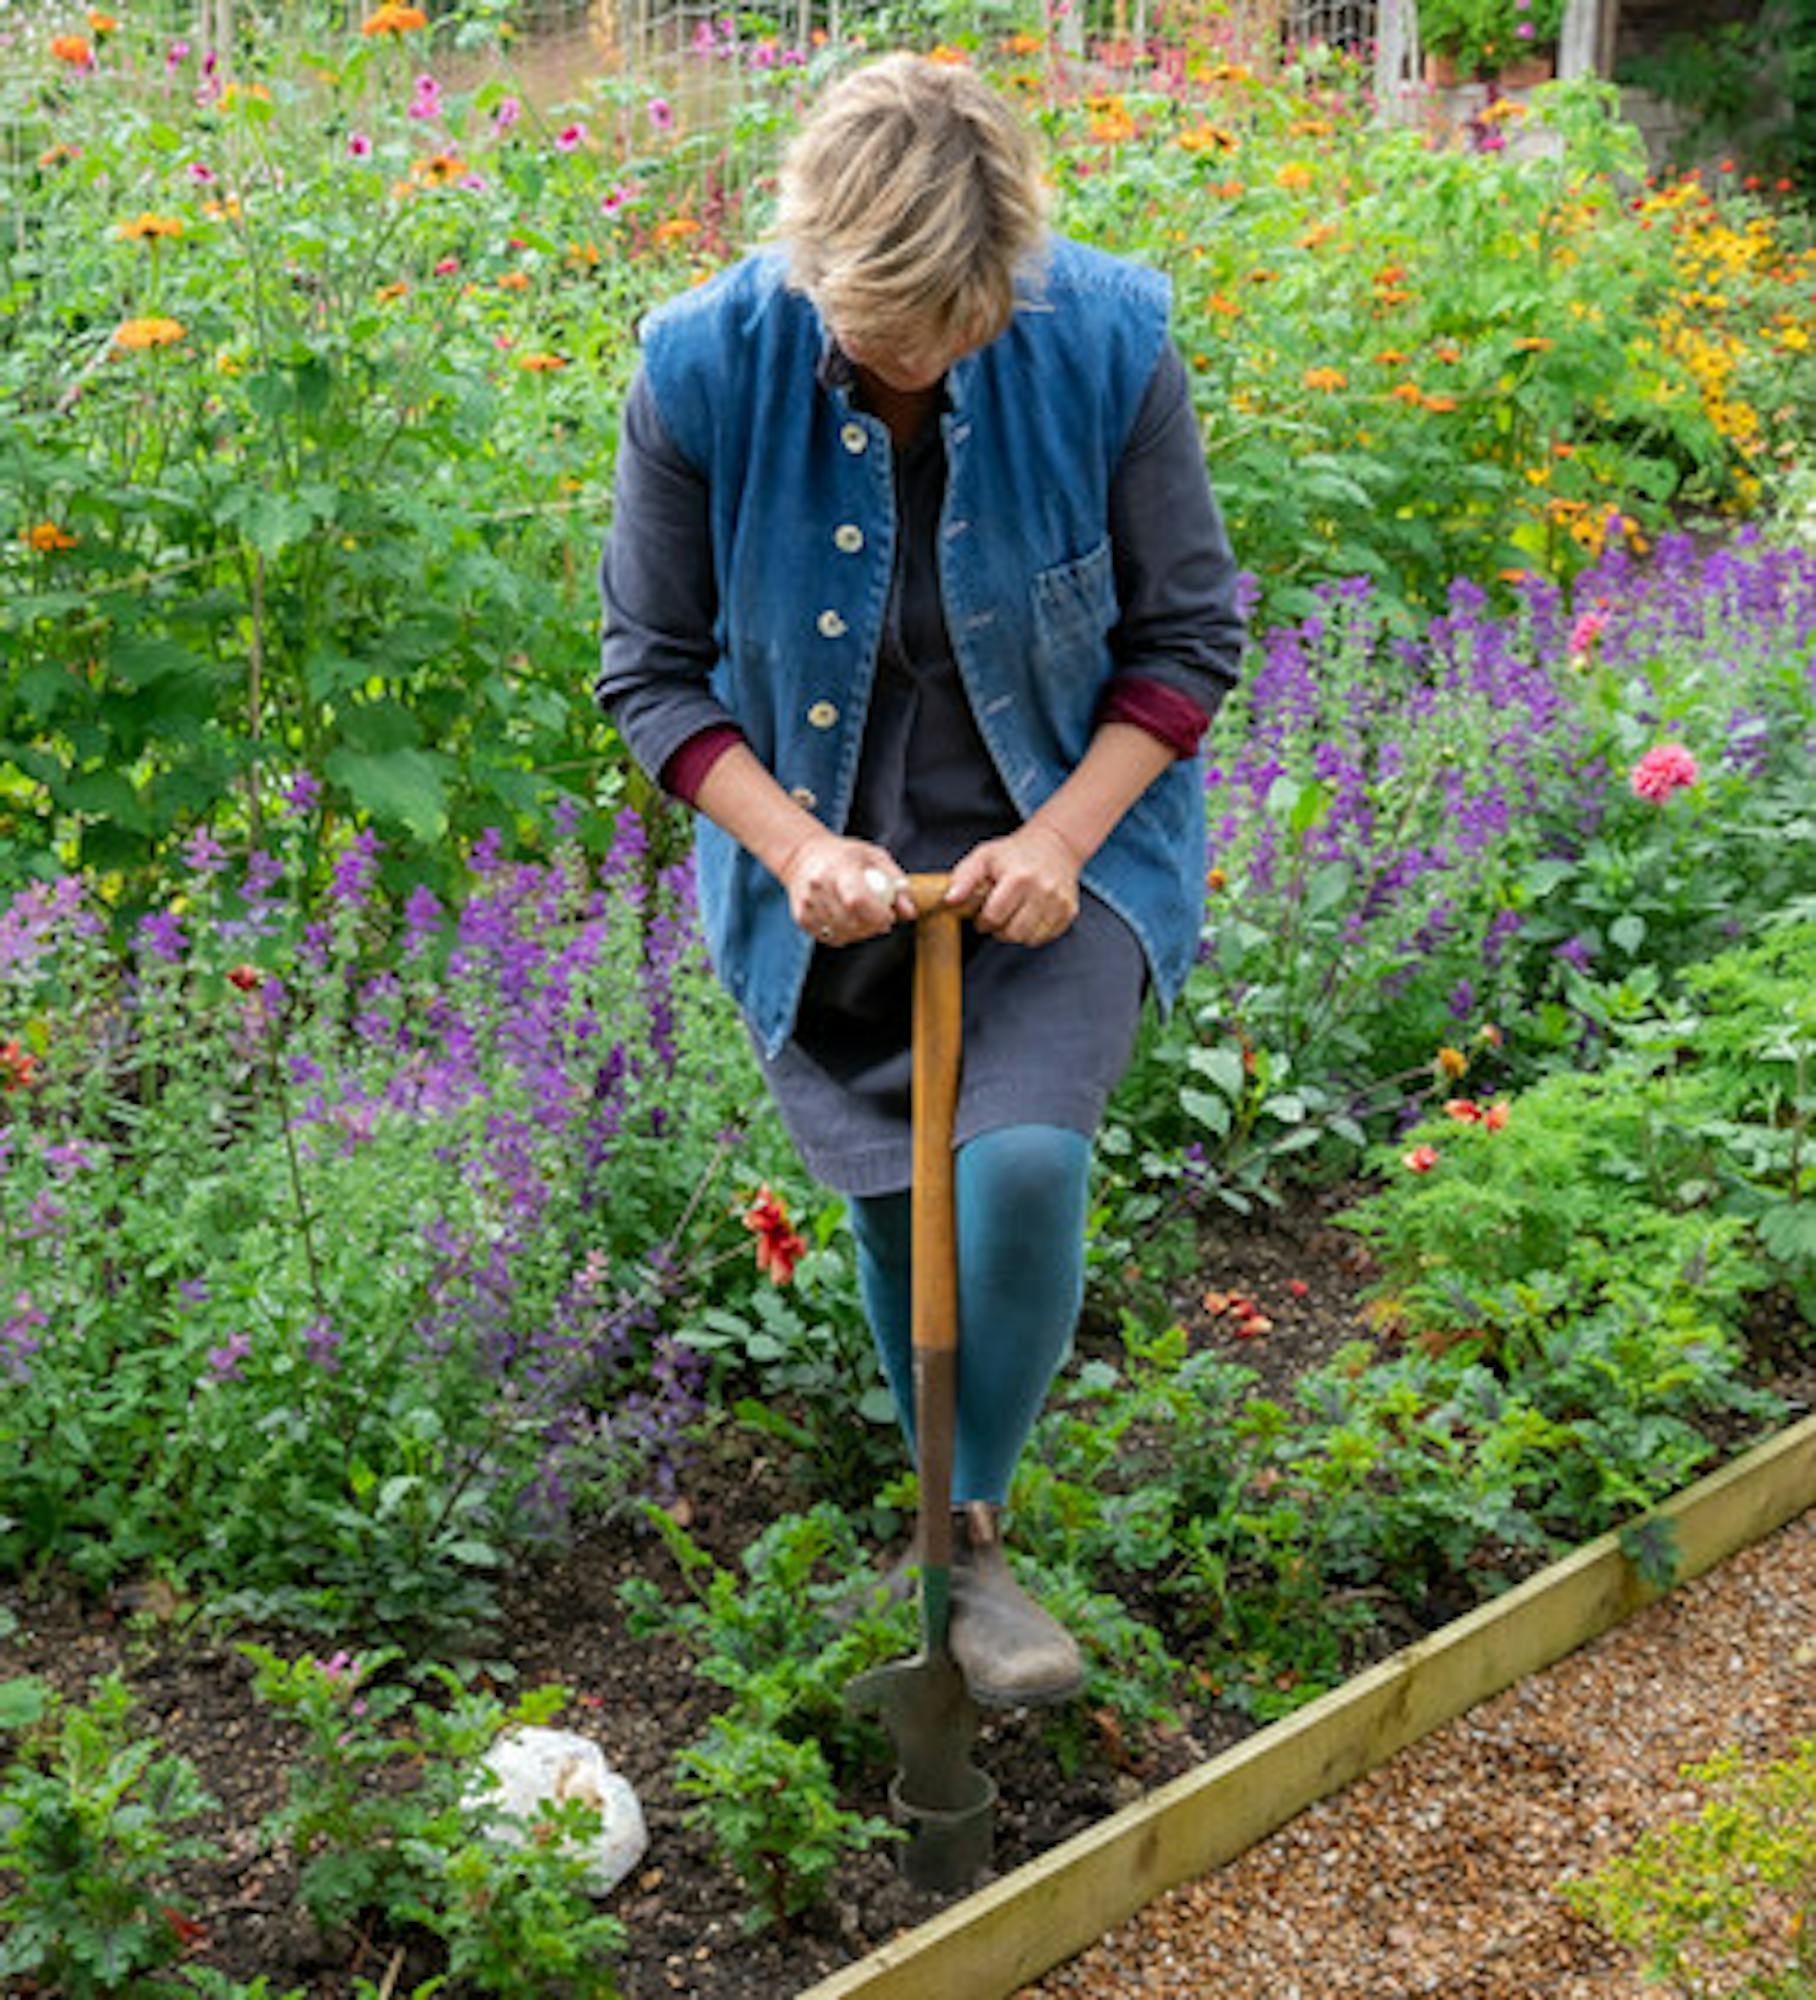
pixel 1021 1926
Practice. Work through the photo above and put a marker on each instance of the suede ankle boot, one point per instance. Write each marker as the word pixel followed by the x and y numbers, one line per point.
pixel 1011 1652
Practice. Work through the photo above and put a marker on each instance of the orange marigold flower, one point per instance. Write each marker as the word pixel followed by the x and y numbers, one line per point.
pixel 46 537
pixel 1450 1062
pixel 396 289
pixel 1441 404
pixel 393 19
pixel 1325 378
pixel 1264 275
pixel 542 364
pixel 148 227
pixel 1532 343
pixel 133 334
pixel 1216 879
pixel 439 169
pixel 779 1249
pixel 1219 303
pixel 1206 139
pixel 1022 45
pixel 1391 357
pixel 1295 174
pixel 101 24
pixel 675 229
pixel 1447 351
pixel 514 281
pixel 72 49
pixel 1407 392
pixel 1497 1114
pixel 942 53
pixel 1420 1160
pixel 54 156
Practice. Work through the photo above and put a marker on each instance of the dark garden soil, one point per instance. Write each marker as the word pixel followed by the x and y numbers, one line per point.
pixel 640 1701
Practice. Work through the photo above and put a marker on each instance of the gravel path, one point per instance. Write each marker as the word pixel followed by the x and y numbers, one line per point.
pixel 1436 1873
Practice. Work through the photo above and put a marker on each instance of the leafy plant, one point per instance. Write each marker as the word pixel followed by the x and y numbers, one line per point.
pixel 1722 1905
pixel 1489 35
pixel 769 1802
pixel 88 1818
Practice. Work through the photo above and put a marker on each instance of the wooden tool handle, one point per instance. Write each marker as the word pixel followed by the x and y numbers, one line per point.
pixel 938 1018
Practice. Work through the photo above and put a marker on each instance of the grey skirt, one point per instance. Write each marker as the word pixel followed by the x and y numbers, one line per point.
pixel 1047 1035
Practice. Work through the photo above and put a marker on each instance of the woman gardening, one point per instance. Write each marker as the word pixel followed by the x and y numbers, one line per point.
pixel 914 565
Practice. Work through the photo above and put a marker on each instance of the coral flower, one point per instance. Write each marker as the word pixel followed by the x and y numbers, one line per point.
pixel 134 334
pixel 542 364
pixel 74 50
pixel 779 1249
pixel 1496 1116
pixel 1465 1110
pixel 148 227
pixel 46 537
pixel 17 1064
pixel 1664 769
pixel 101 24
pixel 1420 1160
pixel 514 281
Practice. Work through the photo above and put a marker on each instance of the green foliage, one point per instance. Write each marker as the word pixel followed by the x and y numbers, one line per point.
pixel 769 1803
pixel 88 1813
pixel 783 1641
pixel 1489 35
pixel 1722 1905
pixel 381 1815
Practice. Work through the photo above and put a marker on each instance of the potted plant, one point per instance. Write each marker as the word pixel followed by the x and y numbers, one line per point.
pixel 1514 41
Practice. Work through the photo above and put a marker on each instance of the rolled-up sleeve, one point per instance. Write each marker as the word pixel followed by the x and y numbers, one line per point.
pixel 1180 626
pixel 658 595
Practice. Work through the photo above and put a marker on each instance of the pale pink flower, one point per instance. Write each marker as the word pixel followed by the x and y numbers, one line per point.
pixel 508 112
pixel 1587 629
pixel 661 113
pixel 1664 769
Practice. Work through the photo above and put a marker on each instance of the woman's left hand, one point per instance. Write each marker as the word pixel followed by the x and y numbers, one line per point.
pixel 1029 882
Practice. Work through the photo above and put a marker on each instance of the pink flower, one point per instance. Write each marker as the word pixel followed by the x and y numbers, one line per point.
pixel 1525 31
pixel 446 266
pixel 570 138
pixel 203 176
pixel 661 114
pixel 1587 630
pixel 507 114
pixel 359 145
pixel 1664 769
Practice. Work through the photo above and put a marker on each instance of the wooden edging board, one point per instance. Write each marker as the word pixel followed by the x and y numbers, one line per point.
pixel 1051 1908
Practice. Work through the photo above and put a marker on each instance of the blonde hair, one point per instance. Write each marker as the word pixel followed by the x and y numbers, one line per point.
pixel 910 200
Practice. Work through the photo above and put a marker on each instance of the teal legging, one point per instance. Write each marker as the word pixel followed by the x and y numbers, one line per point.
pixel 1020 1197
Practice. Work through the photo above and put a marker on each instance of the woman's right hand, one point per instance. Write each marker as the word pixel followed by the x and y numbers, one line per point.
pixel 841 891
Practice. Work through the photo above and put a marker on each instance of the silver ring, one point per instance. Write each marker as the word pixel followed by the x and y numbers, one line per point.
pixel 826 934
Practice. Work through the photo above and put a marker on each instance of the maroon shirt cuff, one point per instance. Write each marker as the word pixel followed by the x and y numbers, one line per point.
pixel 686 769
pixel 1174 718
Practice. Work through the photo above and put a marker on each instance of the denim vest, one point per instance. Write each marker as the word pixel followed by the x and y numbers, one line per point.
pixel 803 525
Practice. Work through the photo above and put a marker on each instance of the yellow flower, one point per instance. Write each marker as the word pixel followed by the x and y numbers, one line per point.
pixel 1206 139
pixel 1451 1062
pixel 148 226
pixel 1295 174
pixel 944 54
pixel 46 537
pixel 132 335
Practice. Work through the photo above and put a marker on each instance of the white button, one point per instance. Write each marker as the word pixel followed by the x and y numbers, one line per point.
pixel 854 437
pixel 832 626
pixel 803 797
pixel 849 537
pixel 822 715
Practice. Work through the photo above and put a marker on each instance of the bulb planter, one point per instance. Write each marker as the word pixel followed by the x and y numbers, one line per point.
pixel 1016 1929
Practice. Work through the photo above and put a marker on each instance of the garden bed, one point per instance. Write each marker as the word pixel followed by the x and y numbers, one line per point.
pixel 640 1698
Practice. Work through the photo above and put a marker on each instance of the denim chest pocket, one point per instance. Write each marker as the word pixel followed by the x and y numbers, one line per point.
pixel 1074 608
